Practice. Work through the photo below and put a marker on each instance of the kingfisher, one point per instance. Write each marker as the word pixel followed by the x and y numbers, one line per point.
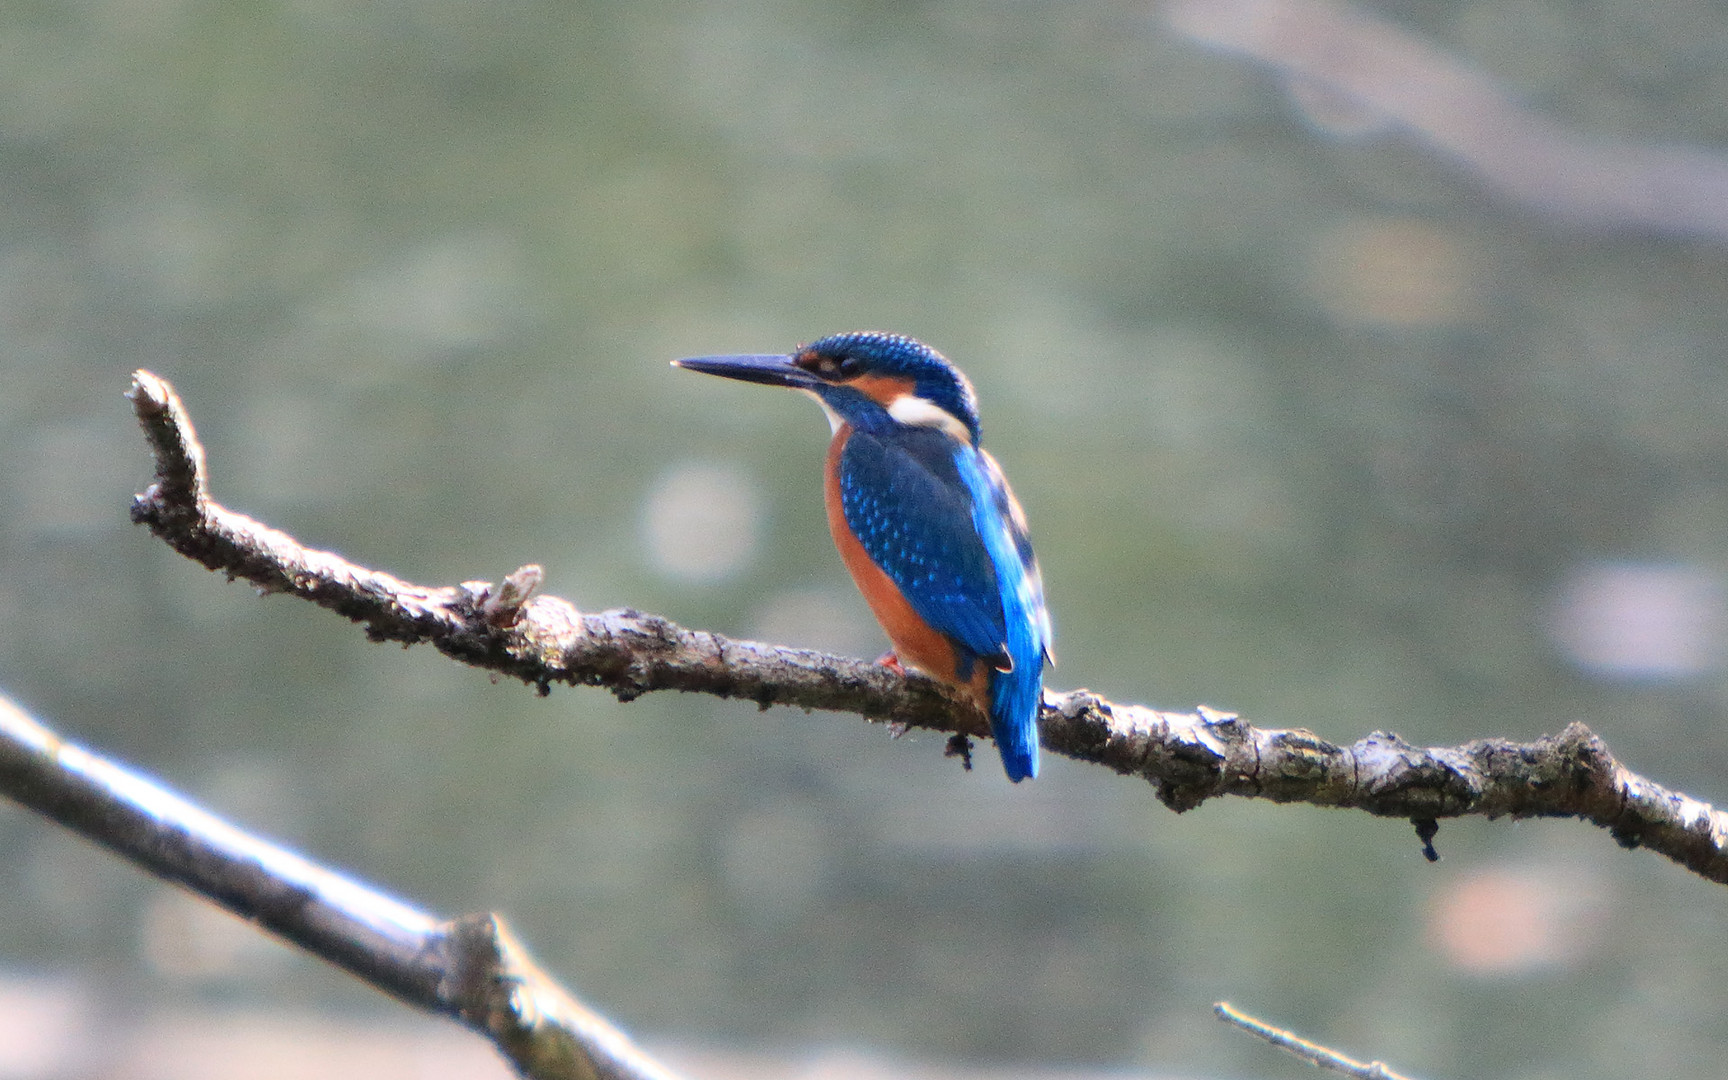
pixel 924 521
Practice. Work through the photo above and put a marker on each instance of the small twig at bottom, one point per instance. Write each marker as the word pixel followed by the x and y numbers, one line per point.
pixel 1312 1053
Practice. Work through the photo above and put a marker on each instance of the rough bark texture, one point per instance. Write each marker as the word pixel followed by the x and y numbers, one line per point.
pixel 1187 757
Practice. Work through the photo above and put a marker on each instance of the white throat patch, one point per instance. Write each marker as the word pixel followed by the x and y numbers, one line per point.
pixel 834 420
pixel 914 411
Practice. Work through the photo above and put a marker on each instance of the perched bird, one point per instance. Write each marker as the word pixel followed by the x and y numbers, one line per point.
pixel 924 520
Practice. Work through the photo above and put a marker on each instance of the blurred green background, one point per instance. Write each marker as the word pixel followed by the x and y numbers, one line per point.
pixel 1309 428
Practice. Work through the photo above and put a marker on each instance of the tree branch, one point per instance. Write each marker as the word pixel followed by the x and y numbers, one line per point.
pixel 1311 1052
pixel 470 969
pixel 1187 757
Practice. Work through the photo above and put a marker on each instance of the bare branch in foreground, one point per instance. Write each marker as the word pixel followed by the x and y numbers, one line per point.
pixel 470 969
pixel 1312 1053
pixel 1187 757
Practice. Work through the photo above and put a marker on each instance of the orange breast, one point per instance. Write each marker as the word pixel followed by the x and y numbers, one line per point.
pixel 915 643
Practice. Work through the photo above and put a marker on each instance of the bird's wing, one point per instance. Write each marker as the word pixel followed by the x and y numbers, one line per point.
pixel 905 500
pixel 1030 581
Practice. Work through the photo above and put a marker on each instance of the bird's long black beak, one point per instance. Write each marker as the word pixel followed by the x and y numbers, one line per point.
pixel 768 370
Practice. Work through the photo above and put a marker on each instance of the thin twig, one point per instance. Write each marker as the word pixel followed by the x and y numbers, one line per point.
pixel 1311 1052
pixel 1188 757
pixel 470 969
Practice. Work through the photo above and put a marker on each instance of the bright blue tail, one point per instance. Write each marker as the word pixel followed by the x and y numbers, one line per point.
pixel 1014 700
pixel 1014 695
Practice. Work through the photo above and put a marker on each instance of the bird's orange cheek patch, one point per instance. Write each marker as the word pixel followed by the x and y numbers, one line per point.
pixel 882 389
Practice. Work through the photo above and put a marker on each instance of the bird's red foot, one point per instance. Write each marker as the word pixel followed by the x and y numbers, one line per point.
pixel 891 660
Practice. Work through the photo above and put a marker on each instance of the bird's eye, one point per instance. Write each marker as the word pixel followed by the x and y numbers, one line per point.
pixel 831 368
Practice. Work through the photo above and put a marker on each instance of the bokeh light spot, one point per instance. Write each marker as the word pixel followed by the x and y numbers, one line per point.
pixel 1642 621
pixel 702 522
pixel 1514 921
pixel 43 1027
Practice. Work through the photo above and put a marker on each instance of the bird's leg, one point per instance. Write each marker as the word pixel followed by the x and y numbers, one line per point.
pixel 891 660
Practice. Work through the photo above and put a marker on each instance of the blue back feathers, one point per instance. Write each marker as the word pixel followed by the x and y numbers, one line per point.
pixel 906 500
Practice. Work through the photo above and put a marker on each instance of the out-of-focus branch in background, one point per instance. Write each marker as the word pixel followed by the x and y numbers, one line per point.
pixel 1352 71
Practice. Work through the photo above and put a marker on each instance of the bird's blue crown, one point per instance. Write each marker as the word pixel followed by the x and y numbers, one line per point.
pixel 864 353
